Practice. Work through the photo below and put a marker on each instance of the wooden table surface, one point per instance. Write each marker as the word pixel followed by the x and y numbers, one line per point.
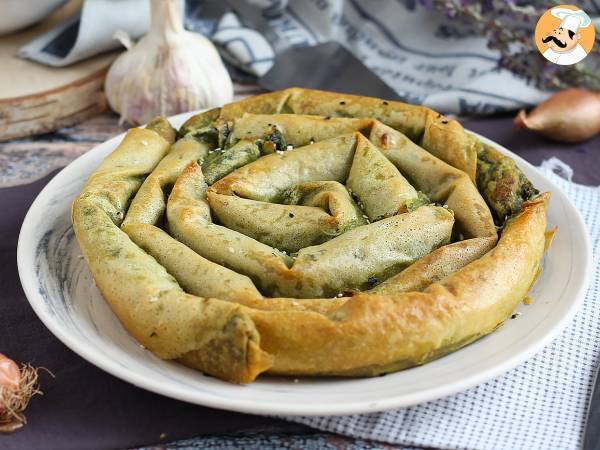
pixel 25 160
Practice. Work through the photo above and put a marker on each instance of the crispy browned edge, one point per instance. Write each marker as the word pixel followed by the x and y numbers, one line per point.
pixel 367 335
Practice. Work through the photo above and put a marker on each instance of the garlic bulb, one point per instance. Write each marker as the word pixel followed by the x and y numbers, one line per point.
pixel 169 71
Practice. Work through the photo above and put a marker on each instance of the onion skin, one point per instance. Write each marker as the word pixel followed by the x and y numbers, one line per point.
pixel 570 115
pixel 10 375
pixel 17 386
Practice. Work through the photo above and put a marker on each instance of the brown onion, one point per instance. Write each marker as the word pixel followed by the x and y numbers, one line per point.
pixel 17 386
pixel 571 115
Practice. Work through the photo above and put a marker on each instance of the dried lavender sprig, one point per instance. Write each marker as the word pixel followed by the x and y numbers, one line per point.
pixel 509 27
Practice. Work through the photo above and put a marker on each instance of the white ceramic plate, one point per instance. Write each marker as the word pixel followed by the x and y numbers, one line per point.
pixel 60 289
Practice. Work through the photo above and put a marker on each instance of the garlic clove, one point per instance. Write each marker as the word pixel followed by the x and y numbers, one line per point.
pixel 570 115
pixel 169 71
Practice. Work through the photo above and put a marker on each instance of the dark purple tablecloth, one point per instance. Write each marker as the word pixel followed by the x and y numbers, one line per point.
pixel 84 407
pixel 87 408
pixel 583 158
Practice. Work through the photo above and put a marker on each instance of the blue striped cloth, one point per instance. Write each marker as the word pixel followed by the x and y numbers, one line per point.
pixel 415 51
pixel 420 54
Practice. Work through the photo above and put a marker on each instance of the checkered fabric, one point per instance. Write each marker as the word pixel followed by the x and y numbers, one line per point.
pixel 541 404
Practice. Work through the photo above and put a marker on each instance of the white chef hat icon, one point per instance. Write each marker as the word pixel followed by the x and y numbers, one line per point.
pixel 571 19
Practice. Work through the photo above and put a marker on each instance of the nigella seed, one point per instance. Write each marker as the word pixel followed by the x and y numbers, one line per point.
pixel 291 215
pixel 373 280
pixel 444 122
pixel 342 102
pixel 385 103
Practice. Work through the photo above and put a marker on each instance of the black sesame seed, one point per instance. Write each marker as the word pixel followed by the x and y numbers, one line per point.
pixel 514 316
pixel 385 103
pixel 342 102
pixel 373 281
pixel 328 118
pixel 291 215
pixel 444 122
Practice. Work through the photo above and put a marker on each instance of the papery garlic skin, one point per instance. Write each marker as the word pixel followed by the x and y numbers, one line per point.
pixel 169 71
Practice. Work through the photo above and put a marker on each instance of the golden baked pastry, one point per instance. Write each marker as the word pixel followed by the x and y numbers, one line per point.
pixel 309 233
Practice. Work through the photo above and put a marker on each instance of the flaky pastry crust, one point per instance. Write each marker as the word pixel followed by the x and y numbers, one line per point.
pixel 305 232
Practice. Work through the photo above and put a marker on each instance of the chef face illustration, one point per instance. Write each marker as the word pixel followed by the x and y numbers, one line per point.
pixel 561 42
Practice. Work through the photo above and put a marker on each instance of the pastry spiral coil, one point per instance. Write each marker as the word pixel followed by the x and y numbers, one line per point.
pixel 309 233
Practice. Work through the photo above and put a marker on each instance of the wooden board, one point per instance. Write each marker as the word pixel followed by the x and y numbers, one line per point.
pixel 37 99
pixel 28 159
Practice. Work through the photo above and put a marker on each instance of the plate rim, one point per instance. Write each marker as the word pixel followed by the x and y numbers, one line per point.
pixel 255 406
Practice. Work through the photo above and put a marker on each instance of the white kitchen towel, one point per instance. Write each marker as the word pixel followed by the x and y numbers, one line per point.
pixel 416 51
pixel 89 32
pixel 540 405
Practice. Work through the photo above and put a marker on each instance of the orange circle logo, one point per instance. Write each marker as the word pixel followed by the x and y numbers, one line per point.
pixel 564 35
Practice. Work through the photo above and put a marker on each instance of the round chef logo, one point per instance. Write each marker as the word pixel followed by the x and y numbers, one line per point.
pixel 564 35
